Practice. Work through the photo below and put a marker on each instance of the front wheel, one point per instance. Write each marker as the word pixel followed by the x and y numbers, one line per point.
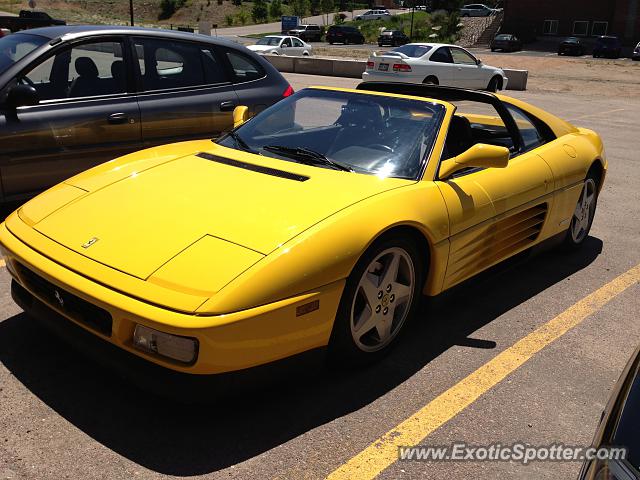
pixel 583 214
pixel 494 85
pixel 380 295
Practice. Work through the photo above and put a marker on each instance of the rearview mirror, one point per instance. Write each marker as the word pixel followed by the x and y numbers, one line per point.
pixel 480 155
pixel 240 115
pixel 22 96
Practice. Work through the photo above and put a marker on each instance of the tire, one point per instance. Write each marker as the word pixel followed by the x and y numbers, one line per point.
pixel 493 49
pixel 494 84
pixel 379 44
pixel 582 219
pixel 431 80
pixel 377 303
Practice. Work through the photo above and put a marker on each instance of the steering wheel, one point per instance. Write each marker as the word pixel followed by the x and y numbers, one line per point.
pixel 380 146
pixel 28 81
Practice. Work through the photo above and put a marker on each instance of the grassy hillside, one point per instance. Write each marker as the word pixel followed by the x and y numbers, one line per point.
pixel 146 11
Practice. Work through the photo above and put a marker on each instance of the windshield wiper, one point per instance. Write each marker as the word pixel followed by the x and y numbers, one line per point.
pixel 307 156
pixel 241 143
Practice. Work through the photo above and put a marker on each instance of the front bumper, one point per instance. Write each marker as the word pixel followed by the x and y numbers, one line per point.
pixel 229 342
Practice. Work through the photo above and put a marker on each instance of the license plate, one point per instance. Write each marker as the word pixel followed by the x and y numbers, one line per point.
pixel 384 67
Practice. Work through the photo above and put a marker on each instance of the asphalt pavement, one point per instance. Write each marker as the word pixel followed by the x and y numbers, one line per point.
pixel 63 416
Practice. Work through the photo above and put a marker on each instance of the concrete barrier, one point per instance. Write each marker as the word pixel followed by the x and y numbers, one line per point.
pixel 354 68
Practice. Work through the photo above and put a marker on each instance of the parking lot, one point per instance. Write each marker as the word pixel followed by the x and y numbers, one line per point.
pixel 71 418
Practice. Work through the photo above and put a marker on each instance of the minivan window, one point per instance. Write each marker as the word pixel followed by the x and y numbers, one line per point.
pixel 244 68
pixel 15 46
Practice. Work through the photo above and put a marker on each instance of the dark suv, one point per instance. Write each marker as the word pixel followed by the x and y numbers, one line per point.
pixel 308 33
pixel 394 38
pixel 75 96
pixel 607 46
pixel 344 34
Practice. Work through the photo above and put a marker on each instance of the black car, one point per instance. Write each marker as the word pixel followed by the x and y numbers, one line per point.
pixel 308 33
pixel 344 34
pixel 607 46
pixel 506 42
pixel 28 19
pixel 571 46
pixel 72 97
pixel 394 38
pixel 619 427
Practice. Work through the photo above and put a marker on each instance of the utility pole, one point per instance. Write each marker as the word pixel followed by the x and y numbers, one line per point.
pixel 131 11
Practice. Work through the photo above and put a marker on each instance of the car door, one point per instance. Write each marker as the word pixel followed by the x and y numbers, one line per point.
pixel 185 90
pixel 440 65
pixel 87 114
pixel 495 212
pixel 467 73
pixel 298 46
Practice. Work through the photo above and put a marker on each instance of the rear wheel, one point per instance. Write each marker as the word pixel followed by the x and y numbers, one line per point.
pixel 380 295
pixel 431 80
pixel 584 212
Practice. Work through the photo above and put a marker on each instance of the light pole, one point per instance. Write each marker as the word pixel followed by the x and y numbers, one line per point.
pixel 131 11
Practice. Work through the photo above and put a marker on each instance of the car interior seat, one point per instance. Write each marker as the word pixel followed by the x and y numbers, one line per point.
pixel 87 82
pixel 117 72
pixel 460 137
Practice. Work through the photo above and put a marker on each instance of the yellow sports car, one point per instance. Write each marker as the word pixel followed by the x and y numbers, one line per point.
pixel 318 223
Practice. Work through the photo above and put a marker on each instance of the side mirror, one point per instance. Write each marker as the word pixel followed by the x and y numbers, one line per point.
pixel 240 115
pixel 480 155
pixel 478 62
pixel 22 96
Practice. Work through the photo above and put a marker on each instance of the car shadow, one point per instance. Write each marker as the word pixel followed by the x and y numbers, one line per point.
pixel 171 438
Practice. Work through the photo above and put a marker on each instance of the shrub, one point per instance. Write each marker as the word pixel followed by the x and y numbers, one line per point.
pixel 260 11
pixel 228 20
pixel 275 9
pixel 243 17
pixel 169 7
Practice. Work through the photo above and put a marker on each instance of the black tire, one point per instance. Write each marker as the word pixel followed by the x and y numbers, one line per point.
pixel 344 350
pixel 493 49
pixel 495 84
pixel 379 44
pixel 573 240
pixel 431 80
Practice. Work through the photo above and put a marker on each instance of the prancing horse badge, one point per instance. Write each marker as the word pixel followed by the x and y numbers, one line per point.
pixel 89 242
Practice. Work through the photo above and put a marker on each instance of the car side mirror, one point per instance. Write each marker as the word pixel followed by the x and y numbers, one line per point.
pixel 478 62
pixel 480 155
pixel 22 96
pixel 240 115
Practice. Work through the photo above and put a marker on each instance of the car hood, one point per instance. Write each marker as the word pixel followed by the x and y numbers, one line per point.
pixel 262 48
pixel 223 200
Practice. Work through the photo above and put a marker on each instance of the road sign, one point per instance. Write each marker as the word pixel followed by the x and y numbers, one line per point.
pixel 289 23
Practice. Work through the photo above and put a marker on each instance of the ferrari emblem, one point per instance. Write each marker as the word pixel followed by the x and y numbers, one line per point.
pixel 89 242
pixel 59 298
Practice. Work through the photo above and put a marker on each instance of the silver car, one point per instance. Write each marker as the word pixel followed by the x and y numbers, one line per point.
pixel 477 10
pixel 374 15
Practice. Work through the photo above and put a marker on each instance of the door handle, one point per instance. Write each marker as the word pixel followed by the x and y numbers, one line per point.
pixel 117 118
pixel 227 106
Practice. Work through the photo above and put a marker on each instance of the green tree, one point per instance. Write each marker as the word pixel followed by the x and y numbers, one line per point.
pixel 275 9
pixel 299 8
pixel 260 11
pixel 228 20
pixel 326 6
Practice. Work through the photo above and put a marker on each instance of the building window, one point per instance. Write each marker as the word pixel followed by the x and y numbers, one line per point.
pixel 581 27
pixel 599 28
pixel 550 27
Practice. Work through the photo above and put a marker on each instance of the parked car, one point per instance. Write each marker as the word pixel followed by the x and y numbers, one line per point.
pixel 477 10
pixel 374 15
pixel 607 46
pixel 282 45
pixel 571 46
pixel 506 42
pixel 434 63
pixel 344 34
pixel 28 19
pixel 636 52
pixel 619 426
pixel 307 33
pixel 75 96
pixel 315 224
pixel 394 38
pixel 4 32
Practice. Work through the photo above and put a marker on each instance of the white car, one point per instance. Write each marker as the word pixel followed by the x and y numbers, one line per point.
pixel 374 15
pixel 434 63
pixel 477 10
pixel 282 45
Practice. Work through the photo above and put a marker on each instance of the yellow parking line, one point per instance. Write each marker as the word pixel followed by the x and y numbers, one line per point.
pixel 596 114
pixel 384 451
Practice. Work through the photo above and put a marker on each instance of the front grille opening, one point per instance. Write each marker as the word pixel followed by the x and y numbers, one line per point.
pixel 75 307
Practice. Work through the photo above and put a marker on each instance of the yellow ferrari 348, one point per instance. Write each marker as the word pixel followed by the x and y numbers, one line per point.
pixel 319 222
